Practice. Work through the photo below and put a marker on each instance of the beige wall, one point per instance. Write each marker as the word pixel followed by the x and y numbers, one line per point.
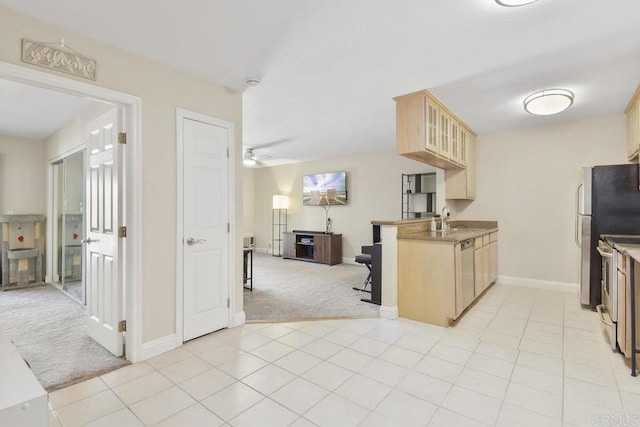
pixel 248 199
pixel 162 89
pixel 23 179
pixel 526 180
pixel 72 135
pixel 374 190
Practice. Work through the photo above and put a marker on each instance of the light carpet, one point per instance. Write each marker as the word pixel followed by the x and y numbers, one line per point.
pixel 287 289
pixel 49 330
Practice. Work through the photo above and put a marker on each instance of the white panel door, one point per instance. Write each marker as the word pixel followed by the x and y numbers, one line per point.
pixel 104 281
pixel 206 237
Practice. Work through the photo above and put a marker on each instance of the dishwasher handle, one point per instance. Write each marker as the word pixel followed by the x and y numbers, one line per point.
pixel 467 244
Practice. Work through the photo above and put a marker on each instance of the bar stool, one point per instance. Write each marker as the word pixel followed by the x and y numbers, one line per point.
pixel 364 259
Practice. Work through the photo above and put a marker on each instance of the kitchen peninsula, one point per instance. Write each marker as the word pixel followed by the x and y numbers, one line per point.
pixel 438 274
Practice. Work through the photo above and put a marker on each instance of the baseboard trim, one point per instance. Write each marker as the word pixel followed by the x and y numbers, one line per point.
pixel 540 284
pixel 389 313
pixel 159 346
pixel 238 319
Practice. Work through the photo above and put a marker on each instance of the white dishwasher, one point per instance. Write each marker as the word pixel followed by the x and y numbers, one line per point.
pixel 468 287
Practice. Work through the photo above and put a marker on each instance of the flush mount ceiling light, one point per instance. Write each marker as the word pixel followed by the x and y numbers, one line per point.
pixel 249 158
pixel 514 3
pixel 252 81
pixel 549 101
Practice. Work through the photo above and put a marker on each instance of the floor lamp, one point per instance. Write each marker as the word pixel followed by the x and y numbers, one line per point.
pixel 278 223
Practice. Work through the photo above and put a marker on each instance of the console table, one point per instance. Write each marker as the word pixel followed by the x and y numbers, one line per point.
pixel 314 246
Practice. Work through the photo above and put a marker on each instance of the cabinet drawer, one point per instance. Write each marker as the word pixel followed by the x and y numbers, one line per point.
pixel 493 237
pixel 478 242
pixel 485 240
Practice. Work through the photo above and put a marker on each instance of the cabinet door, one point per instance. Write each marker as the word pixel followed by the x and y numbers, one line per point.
pixel 622 315
pixel 445 129
pixel 487 266
pixel 478 270
pixel 432 125
pixel 320 248
pixel 454 149
pixel 463 153
pixel 493 265
pixel 288 245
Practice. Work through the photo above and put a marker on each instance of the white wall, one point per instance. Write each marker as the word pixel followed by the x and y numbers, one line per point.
pixel 374 193
pixel 526 180
pixel 162 89
pixel 22 176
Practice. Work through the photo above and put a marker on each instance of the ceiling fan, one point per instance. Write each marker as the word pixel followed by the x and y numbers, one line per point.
pixel 250 159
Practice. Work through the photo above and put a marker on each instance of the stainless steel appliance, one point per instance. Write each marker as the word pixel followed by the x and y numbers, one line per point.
pixel 468 288
pixel 608 310
pixel 607 202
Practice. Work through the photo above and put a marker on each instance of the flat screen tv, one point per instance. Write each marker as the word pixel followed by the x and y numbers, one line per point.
pixel 322 189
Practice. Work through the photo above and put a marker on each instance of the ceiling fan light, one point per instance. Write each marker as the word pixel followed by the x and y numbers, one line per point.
pixel 514 3
pixel 549 101
pixel 249 158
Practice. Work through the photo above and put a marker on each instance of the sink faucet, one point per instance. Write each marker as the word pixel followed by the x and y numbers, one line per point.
pixel 444 218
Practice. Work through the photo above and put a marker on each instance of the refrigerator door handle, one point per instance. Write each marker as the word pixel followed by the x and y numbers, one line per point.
pixel 577 225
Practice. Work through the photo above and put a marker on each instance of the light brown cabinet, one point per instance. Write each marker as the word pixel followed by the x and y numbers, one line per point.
pixel 633 126
pixel 485 262
pixel 430 277
pixel 624 304
pixel 427 131
pixel 460 184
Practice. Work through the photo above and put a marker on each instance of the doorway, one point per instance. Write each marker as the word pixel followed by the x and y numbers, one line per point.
pixel 131 119
pixel 68 225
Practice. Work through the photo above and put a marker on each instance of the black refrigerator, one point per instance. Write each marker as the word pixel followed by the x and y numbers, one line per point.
pixel 608 202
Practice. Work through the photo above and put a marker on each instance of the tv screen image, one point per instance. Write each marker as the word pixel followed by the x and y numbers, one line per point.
pixel 323 189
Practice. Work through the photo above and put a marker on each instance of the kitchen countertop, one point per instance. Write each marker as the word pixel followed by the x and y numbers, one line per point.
pixel 455 235
pixel 630 249
pixel 419 229
pixel 627 248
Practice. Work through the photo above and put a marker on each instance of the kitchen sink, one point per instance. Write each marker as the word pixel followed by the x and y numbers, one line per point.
pixel 460 230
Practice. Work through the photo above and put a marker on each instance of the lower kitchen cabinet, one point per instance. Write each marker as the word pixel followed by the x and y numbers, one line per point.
pixel 432 282
pixel 485 262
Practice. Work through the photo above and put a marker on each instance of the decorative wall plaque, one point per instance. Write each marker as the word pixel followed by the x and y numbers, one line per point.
pixel 57 59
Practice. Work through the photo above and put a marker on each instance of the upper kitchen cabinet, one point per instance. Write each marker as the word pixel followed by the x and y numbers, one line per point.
pixel 427 131
pixel 633 126
pixel 460 184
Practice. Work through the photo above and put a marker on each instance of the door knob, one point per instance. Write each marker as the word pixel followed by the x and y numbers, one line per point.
pixel 88 241
pixel 191 241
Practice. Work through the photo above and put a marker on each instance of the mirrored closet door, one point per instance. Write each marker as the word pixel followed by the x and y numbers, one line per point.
pixel 68 182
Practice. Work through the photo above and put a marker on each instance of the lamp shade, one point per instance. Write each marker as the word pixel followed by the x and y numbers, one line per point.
pixel 280 202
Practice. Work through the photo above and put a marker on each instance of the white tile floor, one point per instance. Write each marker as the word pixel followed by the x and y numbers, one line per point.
pixel 519 357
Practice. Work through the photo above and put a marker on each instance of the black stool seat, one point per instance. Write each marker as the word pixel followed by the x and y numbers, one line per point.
pixel 363 259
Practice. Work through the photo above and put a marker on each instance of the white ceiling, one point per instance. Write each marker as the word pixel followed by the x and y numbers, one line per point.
pixel 33 112
pixel 330 68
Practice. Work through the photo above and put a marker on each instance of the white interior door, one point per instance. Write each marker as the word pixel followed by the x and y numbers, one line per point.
pixel 103 275
pixel 206 235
